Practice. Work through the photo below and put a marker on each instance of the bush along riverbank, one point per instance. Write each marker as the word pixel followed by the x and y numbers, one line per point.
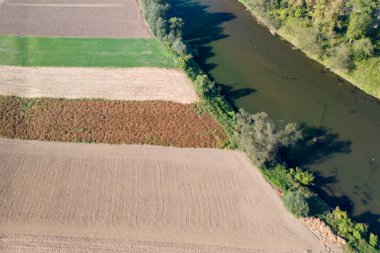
pixel 261 138
pixel 342 35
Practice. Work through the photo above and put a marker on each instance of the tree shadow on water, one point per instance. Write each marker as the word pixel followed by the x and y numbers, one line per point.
pixel 323 189
pixel 310 152
pixel 318 145
pixel 370 217
pixel 233 93
pixel 201 27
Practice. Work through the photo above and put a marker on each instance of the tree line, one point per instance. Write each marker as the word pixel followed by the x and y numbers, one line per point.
pixel 343 34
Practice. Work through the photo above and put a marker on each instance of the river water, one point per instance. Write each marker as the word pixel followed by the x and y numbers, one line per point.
pixel 260 72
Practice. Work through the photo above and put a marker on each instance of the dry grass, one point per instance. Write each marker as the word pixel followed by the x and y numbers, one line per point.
pixel 159 123
pixel 66 197
pixel 72 18
pixel 108 83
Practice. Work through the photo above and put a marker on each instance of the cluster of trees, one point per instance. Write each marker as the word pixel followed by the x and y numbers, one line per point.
pixel 344 34
pixel 262 139
pixel 355 233
pixel 169 30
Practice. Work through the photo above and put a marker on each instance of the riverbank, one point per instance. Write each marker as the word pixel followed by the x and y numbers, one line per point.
pixel 365 75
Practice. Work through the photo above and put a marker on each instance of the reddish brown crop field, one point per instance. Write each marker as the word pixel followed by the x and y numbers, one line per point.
pixel 115 122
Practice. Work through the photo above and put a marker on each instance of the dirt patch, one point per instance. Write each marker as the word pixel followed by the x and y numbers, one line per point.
pixel 160 123
pixel 332 242
pixel 68 197
pixel 71 18
pixel 113 84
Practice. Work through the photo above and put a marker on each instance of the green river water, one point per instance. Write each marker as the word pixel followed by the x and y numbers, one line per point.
pixel 261 72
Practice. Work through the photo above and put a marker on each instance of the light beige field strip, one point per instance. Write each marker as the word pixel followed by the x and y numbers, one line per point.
pixel 179 200
pixel 108 83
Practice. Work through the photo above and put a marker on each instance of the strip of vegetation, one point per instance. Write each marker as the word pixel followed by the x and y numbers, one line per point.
pixel 343 35
pixel 169 31
pixel 104 121
pixel 84 52
pixel 260 137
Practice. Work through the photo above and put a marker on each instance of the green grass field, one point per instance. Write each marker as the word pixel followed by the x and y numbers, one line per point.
pixel 84 52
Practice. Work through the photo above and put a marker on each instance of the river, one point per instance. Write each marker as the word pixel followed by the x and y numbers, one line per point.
pixel 261 72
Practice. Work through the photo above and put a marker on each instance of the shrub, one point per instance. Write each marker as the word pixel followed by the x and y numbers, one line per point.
pixel 179 47
pixel 280 177
pixel 363 48
pixel 304 177
pixel 341 57
pixel 305 37
pixel 262 138
pixel 296 203
pixel 345 226
pixel 373 240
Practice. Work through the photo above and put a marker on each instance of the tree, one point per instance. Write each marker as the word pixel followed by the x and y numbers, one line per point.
pixel 179 47
pixel 361 18
pixel 160 28
pixel 326 14
pixel 358 26
pixel 176 26
pixel 296 203
pixel 262 138
pixel 363 48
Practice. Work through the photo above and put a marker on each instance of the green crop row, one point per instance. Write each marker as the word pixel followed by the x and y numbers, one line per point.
pixel 84 52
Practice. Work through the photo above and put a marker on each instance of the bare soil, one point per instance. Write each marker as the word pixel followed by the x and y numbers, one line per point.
pixel 333 243
pixel 108 83
pixel 72 18
pixel 102 121
pixel 67 197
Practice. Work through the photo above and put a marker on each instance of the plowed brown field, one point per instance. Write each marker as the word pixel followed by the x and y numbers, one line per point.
pixel 72 18
pixel 74 197
pixel 159 123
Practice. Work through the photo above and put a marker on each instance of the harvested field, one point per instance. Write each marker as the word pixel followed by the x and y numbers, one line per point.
pixel 113 84
pixel 159 123
pixel 72 18
pixel 84 52
pixel 61 197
